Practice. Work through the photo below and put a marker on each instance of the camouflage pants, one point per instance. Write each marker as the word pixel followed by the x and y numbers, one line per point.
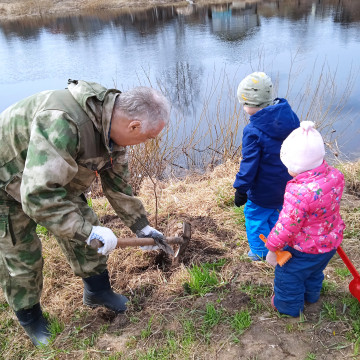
pixel 21 260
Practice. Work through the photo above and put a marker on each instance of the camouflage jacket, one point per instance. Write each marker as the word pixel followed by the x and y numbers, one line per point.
pixel 51 146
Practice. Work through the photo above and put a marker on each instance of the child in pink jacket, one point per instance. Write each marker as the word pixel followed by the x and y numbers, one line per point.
pixel 309 225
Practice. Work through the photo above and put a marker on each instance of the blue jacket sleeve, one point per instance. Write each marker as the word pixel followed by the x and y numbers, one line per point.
pixel 251 153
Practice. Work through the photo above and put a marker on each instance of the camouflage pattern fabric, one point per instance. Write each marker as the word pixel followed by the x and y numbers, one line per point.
pixel 83 259
pixel 21 262
pixel 51 146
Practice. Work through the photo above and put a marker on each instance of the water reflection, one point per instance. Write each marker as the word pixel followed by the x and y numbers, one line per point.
pixel 181 48
pixel 340 11
pixel 231 22
pixel 149 21
pixel 183 84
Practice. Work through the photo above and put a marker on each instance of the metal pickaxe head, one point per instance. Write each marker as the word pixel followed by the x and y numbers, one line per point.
pixel 186 235
pixel 159 241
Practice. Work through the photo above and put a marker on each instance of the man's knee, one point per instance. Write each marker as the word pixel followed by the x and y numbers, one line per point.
pixel 83 259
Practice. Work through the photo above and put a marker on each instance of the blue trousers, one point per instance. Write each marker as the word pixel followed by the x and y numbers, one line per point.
pixel 259 220
pixel 299 280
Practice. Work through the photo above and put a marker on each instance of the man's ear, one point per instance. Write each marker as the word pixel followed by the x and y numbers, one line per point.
pixel 134 125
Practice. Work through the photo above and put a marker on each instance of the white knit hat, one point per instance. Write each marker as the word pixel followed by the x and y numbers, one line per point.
pixel 303 149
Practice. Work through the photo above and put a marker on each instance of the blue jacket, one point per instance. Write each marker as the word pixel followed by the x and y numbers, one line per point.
pixel 262 175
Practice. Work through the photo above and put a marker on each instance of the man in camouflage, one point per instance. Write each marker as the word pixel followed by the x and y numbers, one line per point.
pixel 51 146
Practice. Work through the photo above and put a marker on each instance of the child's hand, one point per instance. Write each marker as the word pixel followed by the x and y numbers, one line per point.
pixel 271 258
pixel 240 198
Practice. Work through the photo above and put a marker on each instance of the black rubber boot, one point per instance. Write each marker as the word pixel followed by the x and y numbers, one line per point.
pixel 35 325
pixel 97 292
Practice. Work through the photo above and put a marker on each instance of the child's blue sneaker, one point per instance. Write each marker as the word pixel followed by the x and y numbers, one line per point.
pixel 255 257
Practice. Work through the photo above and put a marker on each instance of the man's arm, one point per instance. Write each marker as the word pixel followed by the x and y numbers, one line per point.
pixel 116 187
pixel 50 165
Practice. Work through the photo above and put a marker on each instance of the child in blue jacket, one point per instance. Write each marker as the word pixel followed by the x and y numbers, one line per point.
pixel 261 180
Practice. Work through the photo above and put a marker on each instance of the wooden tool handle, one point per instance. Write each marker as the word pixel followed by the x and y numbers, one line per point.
pixel 135 241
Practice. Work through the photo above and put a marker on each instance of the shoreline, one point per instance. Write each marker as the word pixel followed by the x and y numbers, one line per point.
pixel 13 10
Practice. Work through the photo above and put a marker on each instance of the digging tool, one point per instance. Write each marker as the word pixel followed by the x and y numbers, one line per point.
pixel 281 256
pixel 186 235
pixel 181 241
pixel 159 241
pixel 354 285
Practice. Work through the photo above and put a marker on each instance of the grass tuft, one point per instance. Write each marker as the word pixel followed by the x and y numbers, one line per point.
pixel 329 311
pixel 204 278
pixel 240 321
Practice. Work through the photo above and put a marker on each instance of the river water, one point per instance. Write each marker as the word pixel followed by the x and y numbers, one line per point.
pixel 198 55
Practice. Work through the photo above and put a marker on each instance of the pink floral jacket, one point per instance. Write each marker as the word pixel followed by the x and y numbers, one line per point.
pixel 310 220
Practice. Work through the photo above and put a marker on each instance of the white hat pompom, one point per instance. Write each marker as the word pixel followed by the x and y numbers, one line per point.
pixel 306 125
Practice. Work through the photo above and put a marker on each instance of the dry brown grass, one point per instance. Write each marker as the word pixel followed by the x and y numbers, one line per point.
pixel 148 276
pixel 154 285
pixel 351 171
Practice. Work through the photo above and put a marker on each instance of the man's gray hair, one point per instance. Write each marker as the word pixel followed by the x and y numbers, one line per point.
pixel 145 104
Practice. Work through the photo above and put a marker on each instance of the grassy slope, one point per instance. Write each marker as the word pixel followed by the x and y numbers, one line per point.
pixel 220 310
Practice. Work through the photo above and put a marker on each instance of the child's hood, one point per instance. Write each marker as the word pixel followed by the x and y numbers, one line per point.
pixel 276 120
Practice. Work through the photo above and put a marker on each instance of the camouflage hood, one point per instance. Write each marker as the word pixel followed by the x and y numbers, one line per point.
pixel 97 102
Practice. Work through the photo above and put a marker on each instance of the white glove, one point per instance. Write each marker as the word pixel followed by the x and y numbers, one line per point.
pixel 106 236
pixel 148 231
pixel 271 258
